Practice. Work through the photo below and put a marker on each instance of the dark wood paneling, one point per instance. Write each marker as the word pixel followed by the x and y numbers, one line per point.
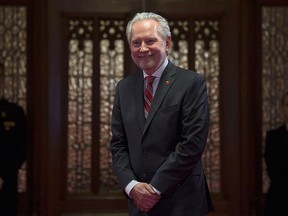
pixel 236 94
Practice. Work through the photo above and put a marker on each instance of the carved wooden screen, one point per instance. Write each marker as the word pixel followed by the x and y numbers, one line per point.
pixel 85 76
pixel 96 54
pixel 274 70
pixel 80 105
pixel 196 46
pixel 112 39
pixel 13 59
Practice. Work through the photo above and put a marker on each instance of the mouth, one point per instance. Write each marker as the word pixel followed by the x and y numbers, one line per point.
pixel 145 56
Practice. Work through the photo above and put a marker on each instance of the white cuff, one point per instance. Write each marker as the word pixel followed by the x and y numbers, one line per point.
pixel 129 187
pixel 156 191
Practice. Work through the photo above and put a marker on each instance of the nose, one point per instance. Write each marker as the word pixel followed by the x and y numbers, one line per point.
pixel 143 47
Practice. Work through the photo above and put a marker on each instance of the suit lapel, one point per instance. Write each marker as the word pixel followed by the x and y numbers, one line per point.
pixel 165 82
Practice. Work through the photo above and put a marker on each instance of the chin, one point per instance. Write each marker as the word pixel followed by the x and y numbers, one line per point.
pixel 147 66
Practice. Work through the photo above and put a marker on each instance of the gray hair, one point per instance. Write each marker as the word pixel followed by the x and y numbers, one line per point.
pixel 165 29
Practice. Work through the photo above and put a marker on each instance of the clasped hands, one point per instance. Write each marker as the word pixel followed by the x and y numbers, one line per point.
pixel 144 196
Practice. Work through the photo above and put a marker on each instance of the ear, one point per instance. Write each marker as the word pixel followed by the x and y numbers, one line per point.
pixel 168 44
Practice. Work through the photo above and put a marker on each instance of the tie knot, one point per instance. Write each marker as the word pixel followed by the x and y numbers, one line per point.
pixel 150 79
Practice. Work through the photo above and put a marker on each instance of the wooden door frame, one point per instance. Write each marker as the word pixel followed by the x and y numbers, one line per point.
pixel 237 113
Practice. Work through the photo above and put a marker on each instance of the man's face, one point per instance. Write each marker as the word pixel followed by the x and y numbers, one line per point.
pixel 148 49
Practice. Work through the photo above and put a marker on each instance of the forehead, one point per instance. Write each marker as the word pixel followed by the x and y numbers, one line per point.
pixel 147 27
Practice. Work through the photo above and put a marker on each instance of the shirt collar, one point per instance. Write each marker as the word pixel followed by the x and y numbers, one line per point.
pixel 159 71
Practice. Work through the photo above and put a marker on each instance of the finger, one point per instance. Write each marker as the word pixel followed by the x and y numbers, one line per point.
pixel 147 204
pixel 150 189
pixel 144 209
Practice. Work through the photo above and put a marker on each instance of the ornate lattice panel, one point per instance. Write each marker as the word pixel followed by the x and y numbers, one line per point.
pixel 274 71
pixel 111 70
pixel 207 52
pixel 80 105
pixel 199 44
pixel 112 39
pixel 179 51
pixel 13 59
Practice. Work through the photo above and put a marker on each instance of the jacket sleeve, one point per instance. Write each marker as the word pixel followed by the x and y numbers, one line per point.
pixel 186 158
pixel 119 145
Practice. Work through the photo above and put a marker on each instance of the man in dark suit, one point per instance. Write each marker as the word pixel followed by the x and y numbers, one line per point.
pixel 276 158
pixel 12 150
pixel 158 138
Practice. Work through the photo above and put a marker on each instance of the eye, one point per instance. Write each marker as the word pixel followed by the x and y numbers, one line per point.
pixel 150 42
pixel 136 43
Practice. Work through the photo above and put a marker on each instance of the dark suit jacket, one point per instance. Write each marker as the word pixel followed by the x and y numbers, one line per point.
pixel 276 157
pixel 12 153
pixel 166 149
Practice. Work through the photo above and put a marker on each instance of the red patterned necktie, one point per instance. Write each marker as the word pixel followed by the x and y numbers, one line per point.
pixel 148 94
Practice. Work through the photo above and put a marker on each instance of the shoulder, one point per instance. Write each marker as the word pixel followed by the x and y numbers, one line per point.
pixel 11 106
pixel 185 74
pixel 190 78
pixel 275 132
pixel 131 78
